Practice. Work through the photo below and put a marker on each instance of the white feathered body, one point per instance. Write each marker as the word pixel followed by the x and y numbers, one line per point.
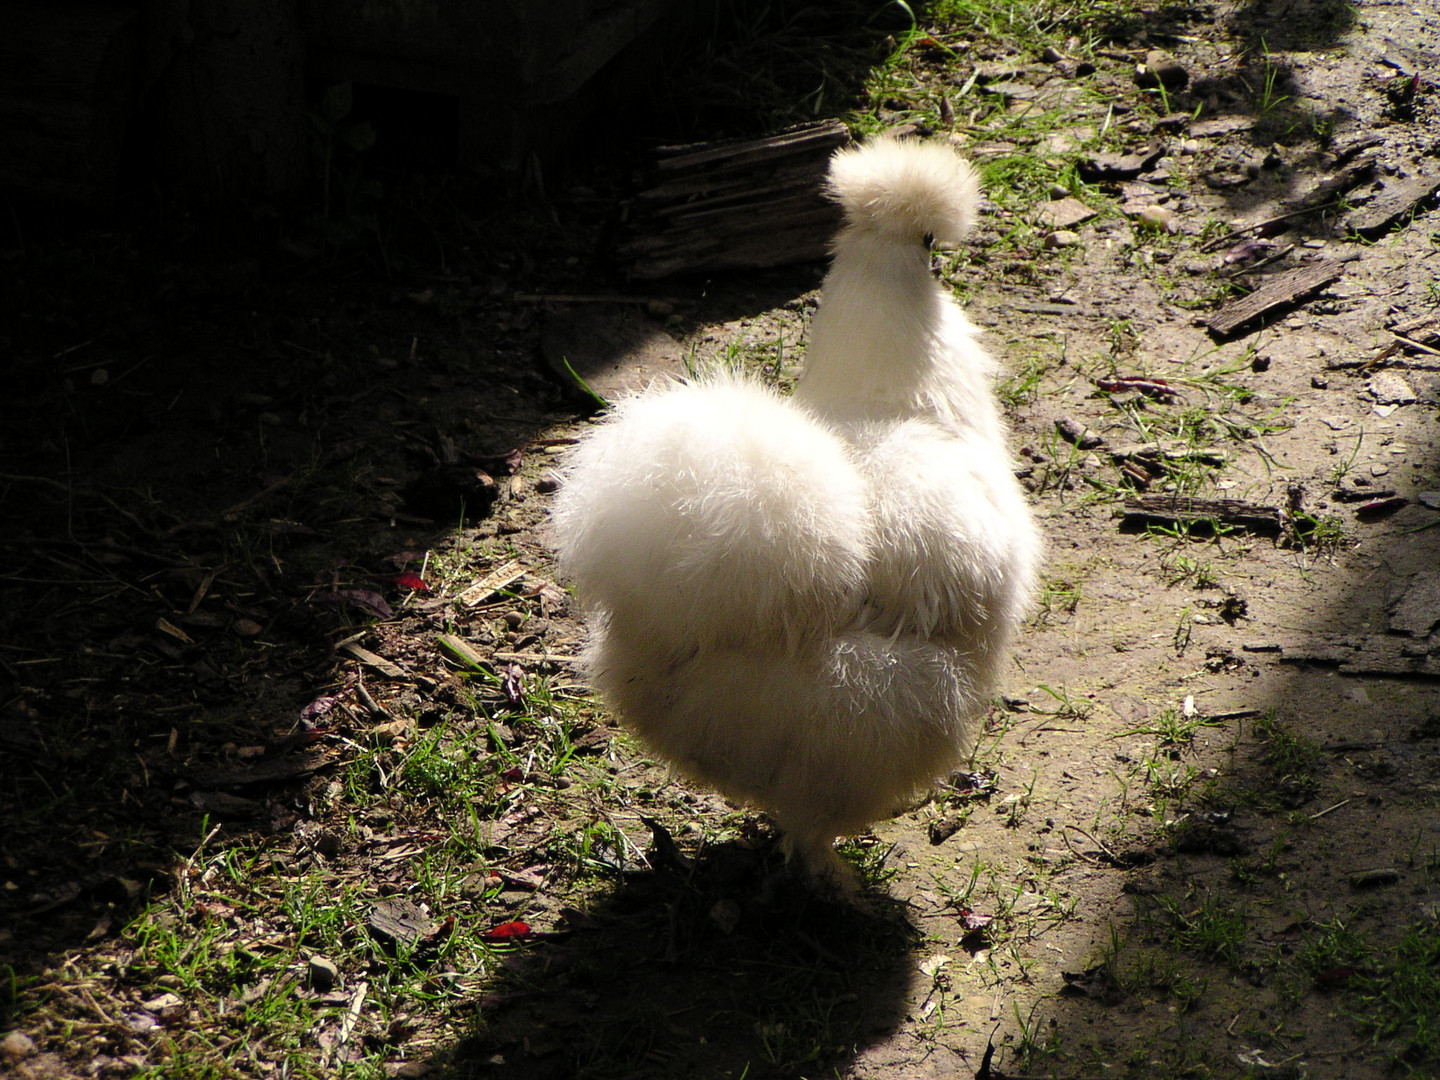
pixel 806 602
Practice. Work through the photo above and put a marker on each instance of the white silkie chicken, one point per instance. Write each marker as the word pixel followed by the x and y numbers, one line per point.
pixel 806 603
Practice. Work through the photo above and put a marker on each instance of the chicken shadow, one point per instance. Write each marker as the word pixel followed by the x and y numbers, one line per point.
pixel 728 965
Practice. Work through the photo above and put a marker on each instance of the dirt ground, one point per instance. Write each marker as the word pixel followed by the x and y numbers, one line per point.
pixel 1201 837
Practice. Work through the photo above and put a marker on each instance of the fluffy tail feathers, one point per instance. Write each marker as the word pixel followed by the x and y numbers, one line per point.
pixel 715 512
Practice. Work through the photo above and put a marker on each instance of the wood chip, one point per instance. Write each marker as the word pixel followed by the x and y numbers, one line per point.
pixel 463 652
pixel 1423 328
pixel 372 660
pixel 500 578
pixel 1278 291
pixel 1221 125
pixel 402 922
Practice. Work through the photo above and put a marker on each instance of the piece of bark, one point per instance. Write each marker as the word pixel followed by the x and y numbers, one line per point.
pixel 401 921
pixel 1399 198
pixel 1424 328
pixel 1169 450
pixel 1184 510
pixel 737 204
pixel 1118 166
pixel 379 663
pixel 1278 291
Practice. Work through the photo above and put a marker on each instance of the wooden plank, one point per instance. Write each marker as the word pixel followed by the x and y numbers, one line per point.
pixel 1278 291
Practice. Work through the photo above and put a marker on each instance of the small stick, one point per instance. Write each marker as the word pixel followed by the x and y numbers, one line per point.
pixel 1322 813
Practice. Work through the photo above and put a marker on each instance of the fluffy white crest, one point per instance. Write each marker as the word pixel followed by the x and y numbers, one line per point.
pixel 906 190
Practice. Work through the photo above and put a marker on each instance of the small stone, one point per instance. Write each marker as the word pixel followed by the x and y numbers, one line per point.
pixel 1379 470
pixel 1062 238
pixel 1052 55
pixel 1062 213
pixel 1160 70
pixel 1072 431
pixel 1189 147
pixel 323 974
pixel 1159 217
pixel 1319 382
pixel 245 627
pixel 726 915
pixel 1429 499
pixel 1388 388
pixel 1058 191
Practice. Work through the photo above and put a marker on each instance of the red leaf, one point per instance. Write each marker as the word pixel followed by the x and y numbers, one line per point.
pixel 509 931
pixel 441 932
pixel 409 580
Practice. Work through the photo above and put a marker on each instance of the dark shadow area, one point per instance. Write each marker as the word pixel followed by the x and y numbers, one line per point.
pixel 725 966
pixel 231 433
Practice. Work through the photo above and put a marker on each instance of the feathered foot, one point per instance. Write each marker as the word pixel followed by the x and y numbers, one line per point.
pixel 830 875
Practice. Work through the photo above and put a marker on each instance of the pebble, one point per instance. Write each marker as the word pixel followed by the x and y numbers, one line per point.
pixel 1072 431
pixel 1159 217
pixel 1161 70
pixel 1062 238
pixel 323 973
